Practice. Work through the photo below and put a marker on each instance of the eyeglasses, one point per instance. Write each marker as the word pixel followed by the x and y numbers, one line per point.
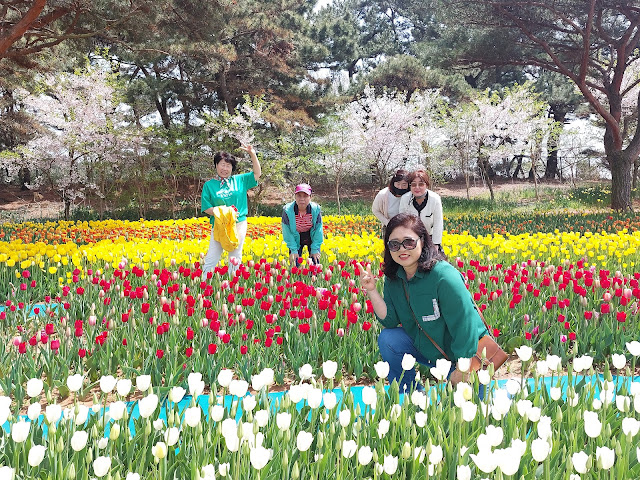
pixel 407 243
pixel 418 184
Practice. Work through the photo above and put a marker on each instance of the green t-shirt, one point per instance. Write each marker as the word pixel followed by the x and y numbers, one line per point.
pixel 232 194
pixel 443 306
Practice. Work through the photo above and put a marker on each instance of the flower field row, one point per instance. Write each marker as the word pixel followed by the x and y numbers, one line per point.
pixel 315 431
pixel 142 305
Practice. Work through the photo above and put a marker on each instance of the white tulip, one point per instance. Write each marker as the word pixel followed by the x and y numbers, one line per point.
pixel 36 455
pixel 523 407
pixel 395 412
pixel 224 377
pixel 283 421
pixel 81 414
pixel 34 387
pixel 542 367
pixel 79 440
pixel 216 413
pixel 33 412
pixel 419 399
pixel 369 396
pixel 329 369
pixel 20 431
pixel 486 461
pixel 442 369
pixel 534 414
pixel 208 472
pixel 74 382
pixel 383 427
pixel 7 473
pixel 314 398
pixel 464 364
pixel 171 436
pixel 623 403
pixel 349 448
pixel 365 455
pixel 605 457
pixel 630 426
pixel 232 442
pixel 304 441
pixel 463 472
pixel 259 457
pixel 344 417
pixel 262 418
pixel 249 403
pixel 132 476
pixel 540 449
pixel 107 383
pixel 484 378
pixel 524 353
pixel 296 393
pixel 508 460
pixel 159 450
pixel 223 469
pixel 390 465
pixel 53 413
pixel 554 362
pixel 436 454
pixel 102 443
pixel 238 388
pixel 421 419
pixel 469 411
pixel 268 376
pixel 579 461
pixel 192 416
pixel 193 380
pixel 382 369
pixel 555 393
pixel 117 409
pixel 143 382
pixel 592 424
pixel 176 394
pixel 123 387
pixel 408 361
pixel 148 405
pixel 306 372
pixel 634 348
pixel 330 400
pixel 619 361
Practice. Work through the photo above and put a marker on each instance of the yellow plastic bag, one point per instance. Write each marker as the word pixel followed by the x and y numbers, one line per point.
pixel 224 228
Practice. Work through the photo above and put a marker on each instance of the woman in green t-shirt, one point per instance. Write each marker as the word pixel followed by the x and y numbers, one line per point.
pixel 230 190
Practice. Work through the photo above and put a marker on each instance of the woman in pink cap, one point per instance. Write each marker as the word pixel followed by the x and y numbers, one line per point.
pixel 302 225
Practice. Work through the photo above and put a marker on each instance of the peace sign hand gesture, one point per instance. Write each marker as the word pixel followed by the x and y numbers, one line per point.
pixel 367 279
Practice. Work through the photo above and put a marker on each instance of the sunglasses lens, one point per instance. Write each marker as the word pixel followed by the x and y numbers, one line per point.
pixel 394 245
pixel 409 243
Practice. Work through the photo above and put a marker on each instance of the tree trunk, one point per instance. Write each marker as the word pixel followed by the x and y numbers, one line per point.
pixel 620 163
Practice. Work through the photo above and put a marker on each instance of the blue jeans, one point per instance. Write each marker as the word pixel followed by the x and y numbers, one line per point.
pixel 393 344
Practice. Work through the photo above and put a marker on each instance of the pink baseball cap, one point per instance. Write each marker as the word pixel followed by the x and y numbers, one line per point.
pixel 304 187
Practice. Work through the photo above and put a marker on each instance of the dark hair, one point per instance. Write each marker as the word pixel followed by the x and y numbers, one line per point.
pixel 227 157
pixel 430 254
pixel 399 176
pixel 422 175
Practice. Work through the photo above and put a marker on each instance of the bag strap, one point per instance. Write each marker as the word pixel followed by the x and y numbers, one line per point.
pixel 406 294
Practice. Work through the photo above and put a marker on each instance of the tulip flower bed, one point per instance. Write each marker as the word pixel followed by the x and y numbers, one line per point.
pixel 128 299
pixel 316 431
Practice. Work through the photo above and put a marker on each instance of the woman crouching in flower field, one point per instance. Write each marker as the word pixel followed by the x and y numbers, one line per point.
pixel 423 294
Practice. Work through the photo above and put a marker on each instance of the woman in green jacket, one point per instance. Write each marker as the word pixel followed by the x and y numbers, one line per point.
pixel 422 293
pixel 302 225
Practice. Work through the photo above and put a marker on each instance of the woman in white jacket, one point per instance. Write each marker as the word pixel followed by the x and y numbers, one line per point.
pixel 424 203
pixel 387 202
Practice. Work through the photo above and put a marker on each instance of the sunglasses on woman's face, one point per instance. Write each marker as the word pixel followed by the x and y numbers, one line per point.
pixel 407 243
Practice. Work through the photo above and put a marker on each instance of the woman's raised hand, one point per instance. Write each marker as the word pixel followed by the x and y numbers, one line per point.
pixel 367 279
pixel 248 148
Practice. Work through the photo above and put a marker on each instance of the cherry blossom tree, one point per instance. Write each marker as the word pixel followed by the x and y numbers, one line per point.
pixel 387 131
pixel 493 126
pixel 80 148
